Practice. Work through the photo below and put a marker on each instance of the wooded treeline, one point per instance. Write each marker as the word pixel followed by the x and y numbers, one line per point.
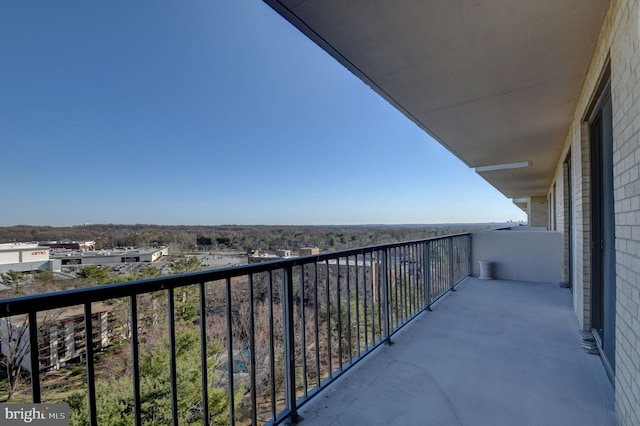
pixel 234 237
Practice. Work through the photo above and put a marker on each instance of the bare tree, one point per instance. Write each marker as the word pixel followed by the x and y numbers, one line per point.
pixel 14 340
pixel 15 346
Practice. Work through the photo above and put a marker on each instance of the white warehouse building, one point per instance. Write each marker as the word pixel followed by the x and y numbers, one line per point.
pixel 110 256
pixel 25 257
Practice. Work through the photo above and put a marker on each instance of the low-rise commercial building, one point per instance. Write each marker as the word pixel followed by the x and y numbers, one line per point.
pixel 26 257
pixel 102 257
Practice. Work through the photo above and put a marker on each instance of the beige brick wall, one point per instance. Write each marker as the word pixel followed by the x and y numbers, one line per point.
pixel 619 43
pixel 625 88
pixel 561 204
pixel 582 216
pixel 538 212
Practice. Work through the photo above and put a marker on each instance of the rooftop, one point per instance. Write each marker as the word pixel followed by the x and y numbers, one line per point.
pixel 17 246
pixel 491 353
pixel 61 253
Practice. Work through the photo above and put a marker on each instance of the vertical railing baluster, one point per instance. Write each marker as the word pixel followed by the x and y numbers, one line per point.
pixel 173 375
pixel 456 254
pixel 365 312
pixel 434 269
pixel 427 274
pixel 381 300
pixel 373 279
pixel 403 285
pixel 440 273
pixel 437 269
pixel 135 358
pixel 452 280
pixel 289 346
pixel 329 348
pixel 385 298
pixel 409 289
pixel 417 293
pixel 271 346
pixel 417 303
pixel 406 278
pixel 457 249
pixel 350 349
pixel 463 257
pixel 392 286
pixel 303 335
pixel 339 313
pixel 204 362
pixel 357 298
pixel 34 355
pixel 317 323
pixel 417 267
pixel 396 282
pixel 397 289
pixel 91 377
pixel 443 267
pixel 230 363
pixel 375 294
pixel 469 254
pixel 420 272
pixel 252 352
pixel 415 286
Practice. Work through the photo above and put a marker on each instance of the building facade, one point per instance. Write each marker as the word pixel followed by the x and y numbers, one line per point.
pixel 595 194
pixel 62 337
pixel 544 102
pixel 71 245
pixel 26 257
pixel 104 257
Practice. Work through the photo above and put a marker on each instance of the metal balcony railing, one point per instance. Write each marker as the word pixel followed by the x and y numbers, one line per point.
pixel 264 338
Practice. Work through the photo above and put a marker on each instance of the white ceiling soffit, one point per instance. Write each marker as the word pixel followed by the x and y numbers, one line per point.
pixel 522 203
pixel 494 81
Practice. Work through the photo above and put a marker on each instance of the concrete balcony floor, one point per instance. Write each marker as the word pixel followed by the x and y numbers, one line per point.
pixel 492 353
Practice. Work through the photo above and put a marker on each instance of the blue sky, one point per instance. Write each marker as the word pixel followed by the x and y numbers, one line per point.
pixel 206 112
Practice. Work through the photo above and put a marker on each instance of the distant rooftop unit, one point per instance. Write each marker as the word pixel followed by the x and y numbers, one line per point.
pixel 258 256
pixel 17 246
pixel 308 251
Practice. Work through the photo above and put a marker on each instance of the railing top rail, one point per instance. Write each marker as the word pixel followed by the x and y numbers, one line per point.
pixel 60 299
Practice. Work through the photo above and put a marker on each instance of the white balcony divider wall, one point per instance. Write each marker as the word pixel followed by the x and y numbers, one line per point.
pixel 520 254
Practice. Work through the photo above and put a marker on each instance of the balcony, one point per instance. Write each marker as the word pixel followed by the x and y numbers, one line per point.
pixel 265 343
pixel 492 353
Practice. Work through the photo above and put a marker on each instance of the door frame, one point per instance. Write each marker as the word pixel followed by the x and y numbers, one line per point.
pixel 603 280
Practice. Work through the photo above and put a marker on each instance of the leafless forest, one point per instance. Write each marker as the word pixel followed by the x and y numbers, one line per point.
pixel 235 237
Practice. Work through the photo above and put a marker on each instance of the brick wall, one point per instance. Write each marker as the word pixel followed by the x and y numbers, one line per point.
pixel 625 89
pixel 619 43
pixel 538 212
